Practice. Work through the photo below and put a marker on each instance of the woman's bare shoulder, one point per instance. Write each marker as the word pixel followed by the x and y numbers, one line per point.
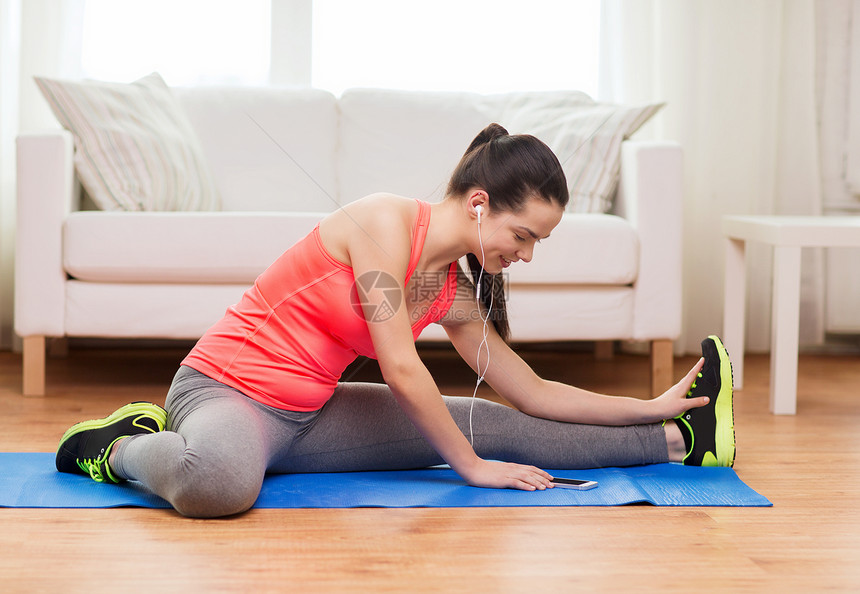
pixel 375 207
pixel 373 215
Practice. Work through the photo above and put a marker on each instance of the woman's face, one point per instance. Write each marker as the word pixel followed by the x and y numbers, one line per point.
pixel 510 237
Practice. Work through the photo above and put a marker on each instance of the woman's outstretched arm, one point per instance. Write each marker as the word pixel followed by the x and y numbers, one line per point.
pixel 514 380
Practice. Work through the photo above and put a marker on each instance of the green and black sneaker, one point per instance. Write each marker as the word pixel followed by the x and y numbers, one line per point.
pixel 709 431
pixel 85 447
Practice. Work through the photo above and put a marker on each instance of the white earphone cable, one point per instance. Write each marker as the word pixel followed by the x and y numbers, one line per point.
pixel 483 345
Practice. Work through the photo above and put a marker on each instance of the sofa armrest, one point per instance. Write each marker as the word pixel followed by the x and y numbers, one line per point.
pixel 46 194
pixel 650 196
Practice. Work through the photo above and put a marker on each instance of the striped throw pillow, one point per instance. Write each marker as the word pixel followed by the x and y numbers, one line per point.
pixel 585 135
pixel 134 147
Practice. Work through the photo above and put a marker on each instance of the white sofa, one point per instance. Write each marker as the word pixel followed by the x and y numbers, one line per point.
pixel 282 158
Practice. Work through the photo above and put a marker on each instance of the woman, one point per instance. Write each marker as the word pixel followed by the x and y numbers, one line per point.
pixel 259 393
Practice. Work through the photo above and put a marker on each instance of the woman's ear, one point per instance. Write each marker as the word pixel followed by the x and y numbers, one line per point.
pixel 479 198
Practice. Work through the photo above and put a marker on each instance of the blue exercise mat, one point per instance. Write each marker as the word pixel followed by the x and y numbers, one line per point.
pixel 30 480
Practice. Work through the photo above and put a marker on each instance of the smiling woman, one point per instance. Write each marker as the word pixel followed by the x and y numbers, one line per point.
pixel 263 390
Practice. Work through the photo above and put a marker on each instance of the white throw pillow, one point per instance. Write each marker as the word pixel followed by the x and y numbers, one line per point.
pixel 135 148
pixel 585 135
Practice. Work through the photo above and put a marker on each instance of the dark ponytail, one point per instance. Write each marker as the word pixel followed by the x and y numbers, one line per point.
pixel 484 136
pixel 492 288
pixel 512 170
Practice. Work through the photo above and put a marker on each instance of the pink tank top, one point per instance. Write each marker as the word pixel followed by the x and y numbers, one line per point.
pixel 290 337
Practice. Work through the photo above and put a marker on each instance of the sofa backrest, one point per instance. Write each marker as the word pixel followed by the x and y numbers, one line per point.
pixel 270 149
pixel 298 149
pixel 404 142
pixel 284 149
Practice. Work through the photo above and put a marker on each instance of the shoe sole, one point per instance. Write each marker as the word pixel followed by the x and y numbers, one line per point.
pixel 724 409
pixel 135 409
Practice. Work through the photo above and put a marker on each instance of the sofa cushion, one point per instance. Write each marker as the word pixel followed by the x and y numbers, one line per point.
pixel 584 249
pixel 154 310
pixel 585 135
pixel 270 149
pixel 215 247
pixel 409 142
pixel 135 149
pixel 236 247
pixel 549 313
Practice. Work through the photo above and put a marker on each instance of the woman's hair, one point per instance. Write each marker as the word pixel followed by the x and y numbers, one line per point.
pixel 512 169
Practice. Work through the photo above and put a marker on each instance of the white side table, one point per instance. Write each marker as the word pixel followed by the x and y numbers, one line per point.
pixel 787 235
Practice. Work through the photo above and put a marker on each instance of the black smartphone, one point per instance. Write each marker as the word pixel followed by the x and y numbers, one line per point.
pixel 577 484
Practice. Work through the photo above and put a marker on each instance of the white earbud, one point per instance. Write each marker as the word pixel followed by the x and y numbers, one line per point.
pixel 479 209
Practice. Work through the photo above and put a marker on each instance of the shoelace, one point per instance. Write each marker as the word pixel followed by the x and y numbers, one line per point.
pixel 690 392
pixel 93 468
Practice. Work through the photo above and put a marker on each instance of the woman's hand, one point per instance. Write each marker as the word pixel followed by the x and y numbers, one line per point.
pixel 507 475
pixel 674 401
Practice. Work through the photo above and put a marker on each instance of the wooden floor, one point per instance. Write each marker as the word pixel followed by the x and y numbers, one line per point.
pixel 807 465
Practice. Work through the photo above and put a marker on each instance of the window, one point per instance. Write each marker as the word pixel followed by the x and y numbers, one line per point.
pixel 187 41
pixel 484 46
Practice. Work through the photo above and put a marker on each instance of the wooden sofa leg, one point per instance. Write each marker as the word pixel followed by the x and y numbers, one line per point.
pixel 661 366
pixel 34 366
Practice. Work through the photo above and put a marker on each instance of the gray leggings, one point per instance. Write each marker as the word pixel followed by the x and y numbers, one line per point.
pixel 219 443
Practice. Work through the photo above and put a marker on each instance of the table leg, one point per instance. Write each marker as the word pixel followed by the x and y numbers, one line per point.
pixel 784 330
pixel 734 306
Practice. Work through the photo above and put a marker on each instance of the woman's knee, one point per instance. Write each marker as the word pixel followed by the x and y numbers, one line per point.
pixel 212 493
pixel 196 501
